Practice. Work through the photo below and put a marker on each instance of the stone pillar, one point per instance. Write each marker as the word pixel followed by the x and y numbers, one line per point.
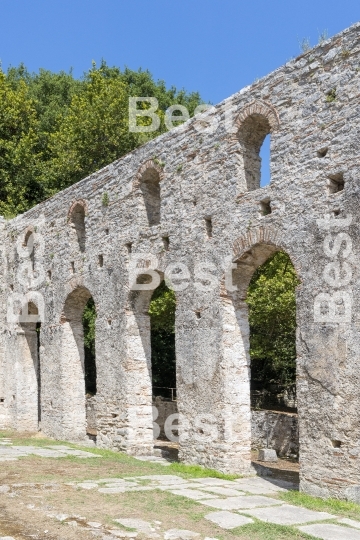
pixel 72 382
pixel 124 391
pixel 214 387
pixel 140 439
pixel 3 402
pixel 26 377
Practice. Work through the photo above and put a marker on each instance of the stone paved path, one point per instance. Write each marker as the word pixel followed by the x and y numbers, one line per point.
pixel 10 452
pixel 238 501
pixel 231 504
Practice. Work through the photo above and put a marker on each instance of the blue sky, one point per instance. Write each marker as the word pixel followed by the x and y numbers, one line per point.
pixel 215 47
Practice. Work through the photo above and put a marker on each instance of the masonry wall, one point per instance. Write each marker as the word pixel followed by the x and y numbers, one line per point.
pixel 277 430
pixel 203 176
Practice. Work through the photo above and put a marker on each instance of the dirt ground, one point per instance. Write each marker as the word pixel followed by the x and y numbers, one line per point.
pixel 39 496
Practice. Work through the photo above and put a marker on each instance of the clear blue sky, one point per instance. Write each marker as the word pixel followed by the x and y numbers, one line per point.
pixel 215 47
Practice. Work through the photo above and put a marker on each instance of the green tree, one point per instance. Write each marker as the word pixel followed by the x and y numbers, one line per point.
pixel 51 93
pixel 20 156
pixel 89 320
pixel 272 319
pixel 93 133
pixel 55 129
pixel 163 358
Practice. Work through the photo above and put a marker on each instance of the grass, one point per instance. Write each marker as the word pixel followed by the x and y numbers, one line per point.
pixel 193 471
pixel 332 506
pixel 196 471
pixel 269 531
pixel 172 510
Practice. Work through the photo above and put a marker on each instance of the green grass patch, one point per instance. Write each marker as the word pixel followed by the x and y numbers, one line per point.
pixel 196 471
pixel 332 506
pixel 269 531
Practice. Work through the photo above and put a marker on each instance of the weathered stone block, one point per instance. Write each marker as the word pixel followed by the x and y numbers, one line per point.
pixel 267 454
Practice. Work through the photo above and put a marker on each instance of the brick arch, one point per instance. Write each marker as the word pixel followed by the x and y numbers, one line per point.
pixel 80 202
pixel 253 249
pixel 266 236
pixel 261 108
pixel 149 164
pixel 260 235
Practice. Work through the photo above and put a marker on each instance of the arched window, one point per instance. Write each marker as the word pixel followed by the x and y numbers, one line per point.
pixel 252 133
pixel 77 223
pixel 256 121
pixel 150 187
pixel 29 244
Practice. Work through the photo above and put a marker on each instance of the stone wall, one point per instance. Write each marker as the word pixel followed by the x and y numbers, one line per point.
pixel 91 422
pixel 276 430
pixel 269 429
pixel 164 409
pixel 192 196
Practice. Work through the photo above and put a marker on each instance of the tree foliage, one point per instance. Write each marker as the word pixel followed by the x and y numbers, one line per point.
pixel 272 319
pixel 20 154
pixel 55 129
pixel 89 320
pixel 163 358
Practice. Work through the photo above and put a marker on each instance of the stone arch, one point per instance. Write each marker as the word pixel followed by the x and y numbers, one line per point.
pixel 266 235
pixel 72 359
pixel 254 123
pixel 76 220
pixel 261 108
pixel 148 180
pixel 249 252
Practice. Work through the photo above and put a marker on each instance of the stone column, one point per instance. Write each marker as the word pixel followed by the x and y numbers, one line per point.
pixel 72 382
pixel 214 386
pixel 26 377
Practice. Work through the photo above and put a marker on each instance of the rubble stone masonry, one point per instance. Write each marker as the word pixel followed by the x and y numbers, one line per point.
pixel 193 196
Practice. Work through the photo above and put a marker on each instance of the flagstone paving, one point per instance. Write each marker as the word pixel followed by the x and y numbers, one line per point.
pixel 327 531
pixel 287 514
pixel 241 502
pixel 238 503
pixel 228 520
pixel 350 522
pixel 9 452
pixel 256 503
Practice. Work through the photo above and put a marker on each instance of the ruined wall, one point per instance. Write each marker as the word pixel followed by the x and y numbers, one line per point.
pixel 269 429
pixel 277 430
pixel 211 210
pixel 164 411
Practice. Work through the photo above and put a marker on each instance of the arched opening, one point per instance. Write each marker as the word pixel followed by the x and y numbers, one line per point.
pixel 265 162
pixel 29 244
pixel 150 325
pixel 162 323
pixel 79 364
pixel 163 358
pixel 77 224
pixel 150 188
pixel 272 319
pixel 89 320
pixel 252 133
pixel 264 306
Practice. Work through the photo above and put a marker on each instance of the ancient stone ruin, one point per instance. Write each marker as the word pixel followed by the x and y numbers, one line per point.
pixel 188 206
